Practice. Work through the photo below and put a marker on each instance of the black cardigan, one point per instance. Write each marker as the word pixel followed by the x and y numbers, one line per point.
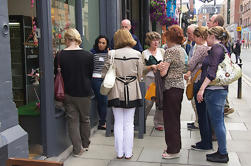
pixel 77 69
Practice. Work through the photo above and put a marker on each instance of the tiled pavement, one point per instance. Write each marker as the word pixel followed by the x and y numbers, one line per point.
pixel 148 151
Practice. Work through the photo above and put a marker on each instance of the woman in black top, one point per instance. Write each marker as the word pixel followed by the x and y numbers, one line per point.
pixel 77 68
pixel 100 51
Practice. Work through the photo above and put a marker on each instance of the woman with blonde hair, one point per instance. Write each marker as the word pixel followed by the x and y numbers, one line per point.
pixel 125 96
pixel 77 68
pixel 194 70
pixel 215 96
pixel 152 57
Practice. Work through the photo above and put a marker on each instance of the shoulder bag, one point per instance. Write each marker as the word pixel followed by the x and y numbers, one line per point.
pixel 110 76
pixel 189 88
pixel 227 72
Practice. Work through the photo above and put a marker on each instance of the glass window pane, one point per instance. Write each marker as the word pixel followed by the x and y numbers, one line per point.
pixel 90 21
pixel 62 16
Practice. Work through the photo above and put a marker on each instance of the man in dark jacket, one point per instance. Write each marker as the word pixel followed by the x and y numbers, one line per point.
pixel 237 50
pixel 126 24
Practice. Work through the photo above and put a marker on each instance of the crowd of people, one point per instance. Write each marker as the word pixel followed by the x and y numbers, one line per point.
pixel 196 57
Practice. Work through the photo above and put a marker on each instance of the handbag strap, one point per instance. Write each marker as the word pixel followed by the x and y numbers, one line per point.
pixel 58 62
pixel 196 75
pixel 112 57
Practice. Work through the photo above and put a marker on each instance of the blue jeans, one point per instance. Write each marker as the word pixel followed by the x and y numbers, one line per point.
pixel 203 120
pixel 101 100
pixel 215 101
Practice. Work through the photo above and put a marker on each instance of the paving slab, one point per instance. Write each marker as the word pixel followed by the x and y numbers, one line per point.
pixel 199 158
pixel 248 125
pixel 149 141
pixel 99 138
pixel 154 155
pixel 239 146
pixel 236 126
pixel 74 161
pixel 130 163
pixel 241 135
pixel 107 152
pixel 245 158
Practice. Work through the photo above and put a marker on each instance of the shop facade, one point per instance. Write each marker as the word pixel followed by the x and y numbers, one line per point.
pixel 31 32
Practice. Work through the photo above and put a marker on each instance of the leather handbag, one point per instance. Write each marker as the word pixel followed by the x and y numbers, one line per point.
pixel 59 83
pixel 110 76
pixel 189 88
pixel 227 72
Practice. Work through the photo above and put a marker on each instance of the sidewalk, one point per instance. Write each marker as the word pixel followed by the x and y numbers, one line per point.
pixel 148 151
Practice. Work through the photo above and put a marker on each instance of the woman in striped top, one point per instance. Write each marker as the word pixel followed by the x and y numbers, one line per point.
pixel 100 51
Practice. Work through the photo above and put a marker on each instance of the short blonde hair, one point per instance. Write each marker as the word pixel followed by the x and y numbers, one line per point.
pixel 150 36
pixel 123 38
pixel 72 34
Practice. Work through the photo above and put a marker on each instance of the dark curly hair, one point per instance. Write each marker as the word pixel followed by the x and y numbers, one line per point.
pixel 95 46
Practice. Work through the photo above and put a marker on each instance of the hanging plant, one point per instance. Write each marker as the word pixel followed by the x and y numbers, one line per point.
pixel 158 13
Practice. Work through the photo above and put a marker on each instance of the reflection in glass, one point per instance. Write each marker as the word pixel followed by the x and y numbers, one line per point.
pixel 63 17
pixel 90 21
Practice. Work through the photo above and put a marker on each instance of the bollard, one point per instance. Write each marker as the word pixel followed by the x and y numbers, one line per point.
pixel 239 90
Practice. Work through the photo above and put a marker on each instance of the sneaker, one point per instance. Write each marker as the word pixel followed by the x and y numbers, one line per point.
pixel 217 157
pixel 228 111
pixel 167 156
pixel 192 127
pixel 198 148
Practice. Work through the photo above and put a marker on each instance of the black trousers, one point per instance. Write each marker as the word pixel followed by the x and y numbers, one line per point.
pixel 171 114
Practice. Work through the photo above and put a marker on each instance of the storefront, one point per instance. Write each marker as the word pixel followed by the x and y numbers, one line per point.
pixel 27 47
pixel 246 36
pixel 30 34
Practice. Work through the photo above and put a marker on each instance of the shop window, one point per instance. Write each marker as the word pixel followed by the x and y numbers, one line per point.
pixel 62 17
pixel 90 17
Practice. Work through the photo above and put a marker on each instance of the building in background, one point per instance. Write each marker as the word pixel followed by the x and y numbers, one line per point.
pixel 206 11
pixel 245 22
pixel 231 13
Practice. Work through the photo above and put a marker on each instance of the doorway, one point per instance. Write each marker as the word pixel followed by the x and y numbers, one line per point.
pixel 25 70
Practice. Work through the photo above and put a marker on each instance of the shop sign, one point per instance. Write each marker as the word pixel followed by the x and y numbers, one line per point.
pixel 238 29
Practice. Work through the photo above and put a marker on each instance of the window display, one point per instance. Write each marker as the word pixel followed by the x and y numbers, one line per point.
pixel 63 17
pixel 24 60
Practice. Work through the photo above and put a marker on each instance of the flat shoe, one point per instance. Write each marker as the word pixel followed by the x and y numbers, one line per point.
pixel 120 157
pixel 128 158
pixel 159 128
pixel 166 155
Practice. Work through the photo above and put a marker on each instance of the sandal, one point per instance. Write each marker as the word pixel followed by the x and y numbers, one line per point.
pixel 166 155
